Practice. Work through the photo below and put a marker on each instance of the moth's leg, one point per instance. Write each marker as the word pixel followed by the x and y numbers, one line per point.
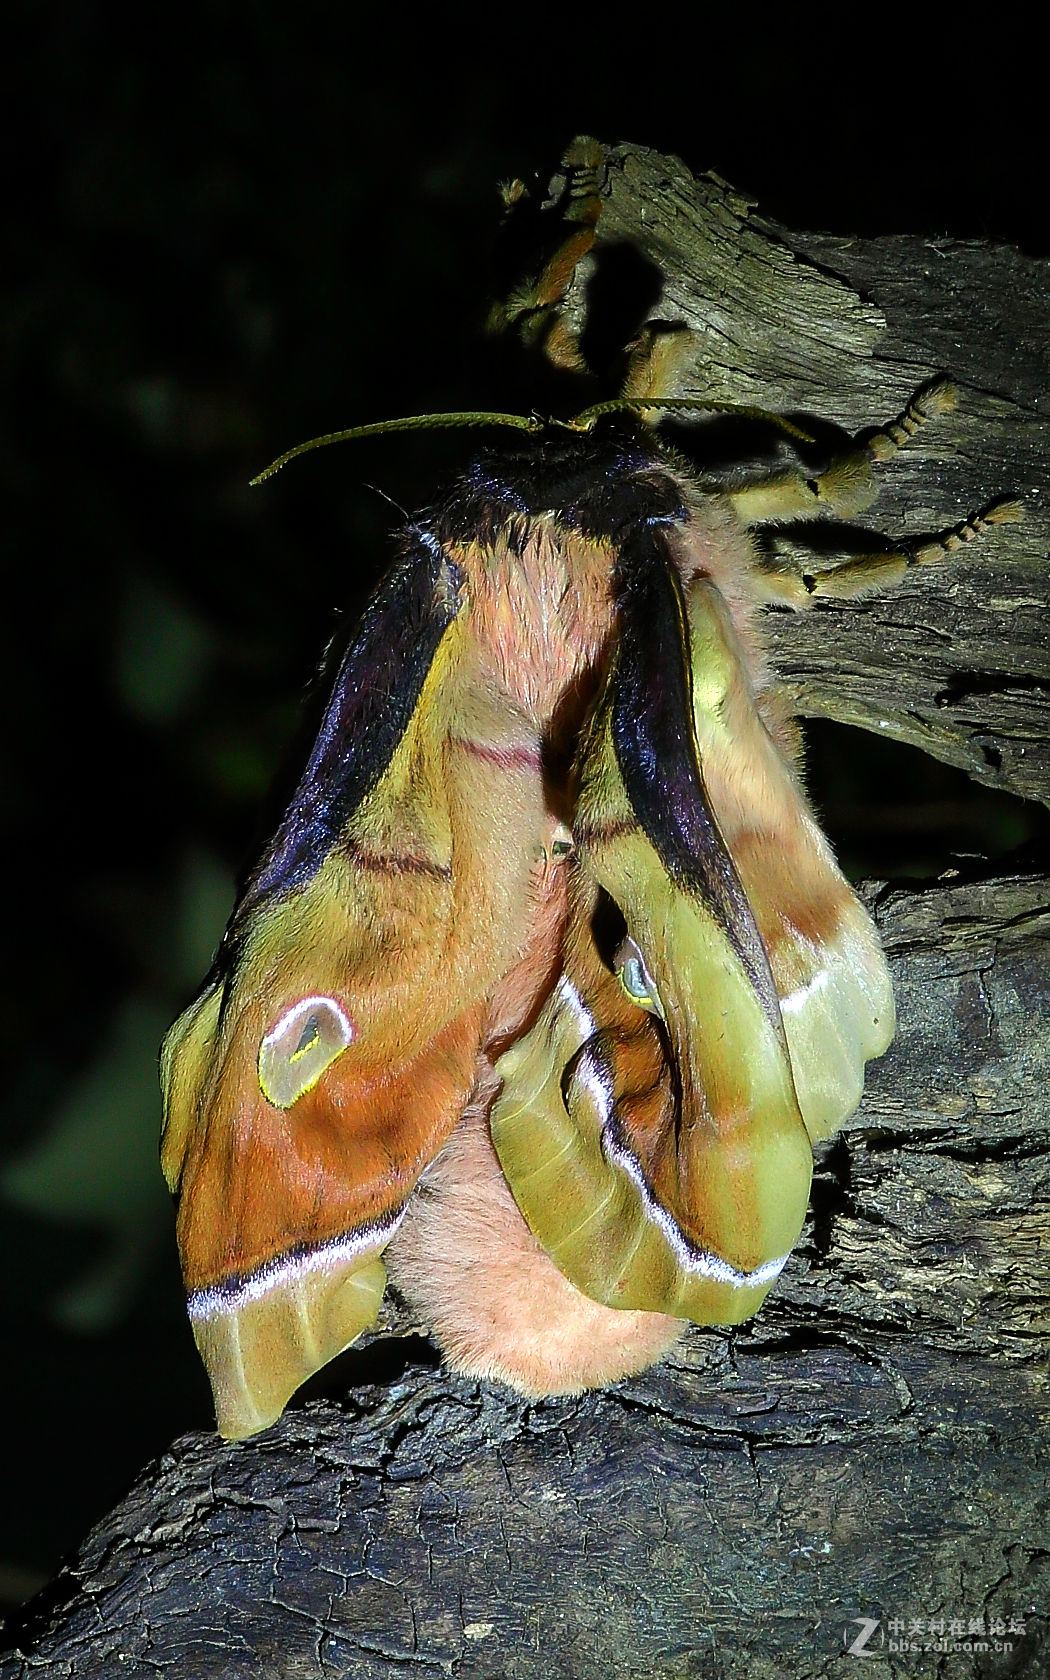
pixel 533 306
pixel 848 485
pixel 938 398
pixel 868 574
pixel 660 361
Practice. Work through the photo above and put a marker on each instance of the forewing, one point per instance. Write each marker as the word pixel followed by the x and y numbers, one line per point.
pixel 827 964
pixel 309 1088
pixel 656 1148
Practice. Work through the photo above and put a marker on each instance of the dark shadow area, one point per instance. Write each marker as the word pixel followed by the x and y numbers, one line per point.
pixel 727 449
pixel 621 291
pixel 381 1363
pixel 891 811
pixel 830 539
pixel 830 1192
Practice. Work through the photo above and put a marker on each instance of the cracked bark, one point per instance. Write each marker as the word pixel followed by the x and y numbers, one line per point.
pixel 873 1443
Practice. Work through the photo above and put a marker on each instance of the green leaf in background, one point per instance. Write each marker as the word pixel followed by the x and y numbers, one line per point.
pixel 96 1163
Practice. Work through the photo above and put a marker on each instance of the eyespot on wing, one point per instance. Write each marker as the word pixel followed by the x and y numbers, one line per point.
pixel 305 1042
pixel 632 971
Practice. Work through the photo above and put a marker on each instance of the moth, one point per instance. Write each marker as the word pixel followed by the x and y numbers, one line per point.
pixel 548 980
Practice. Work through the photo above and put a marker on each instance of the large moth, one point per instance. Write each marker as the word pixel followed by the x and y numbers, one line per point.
pixel 548 980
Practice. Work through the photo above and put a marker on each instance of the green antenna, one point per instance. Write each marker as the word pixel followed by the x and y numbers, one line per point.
pixel 412 423
pixel 588 419
pixel 584 422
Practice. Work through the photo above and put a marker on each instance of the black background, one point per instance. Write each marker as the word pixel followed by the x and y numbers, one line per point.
pixel 227 227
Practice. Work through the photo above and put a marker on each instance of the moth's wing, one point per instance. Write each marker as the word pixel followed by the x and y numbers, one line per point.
pixel 284 1210
pixel 653 1141
pixel 827 964
pixel 310 1086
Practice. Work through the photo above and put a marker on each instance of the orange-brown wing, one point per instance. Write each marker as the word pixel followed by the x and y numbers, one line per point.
pixel 310 1085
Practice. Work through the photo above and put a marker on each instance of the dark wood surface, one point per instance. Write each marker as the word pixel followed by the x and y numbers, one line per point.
pixel 958 660
pixel 872 1445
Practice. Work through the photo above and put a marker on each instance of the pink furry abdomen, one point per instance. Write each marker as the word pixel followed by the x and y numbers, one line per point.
pixel 496 1302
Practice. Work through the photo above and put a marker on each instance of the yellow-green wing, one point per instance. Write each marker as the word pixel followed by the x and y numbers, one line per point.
pixel 827 964
pixel 648 1124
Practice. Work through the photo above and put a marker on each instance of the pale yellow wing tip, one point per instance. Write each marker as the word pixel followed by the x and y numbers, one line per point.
pixel 258 1352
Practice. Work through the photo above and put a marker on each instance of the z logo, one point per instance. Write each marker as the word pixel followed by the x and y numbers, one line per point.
pixel 859 1648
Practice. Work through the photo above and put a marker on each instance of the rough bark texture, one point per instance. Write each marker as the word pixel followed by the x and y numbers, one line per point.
pixel 873 1444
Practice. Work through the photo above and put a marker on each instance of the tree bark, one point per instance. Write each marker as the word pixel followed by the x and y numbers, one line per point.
pixel 872 1445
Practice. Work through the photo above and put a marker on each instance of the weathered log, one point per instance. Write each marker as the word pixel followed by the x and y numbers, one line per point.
pixel 873 1444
